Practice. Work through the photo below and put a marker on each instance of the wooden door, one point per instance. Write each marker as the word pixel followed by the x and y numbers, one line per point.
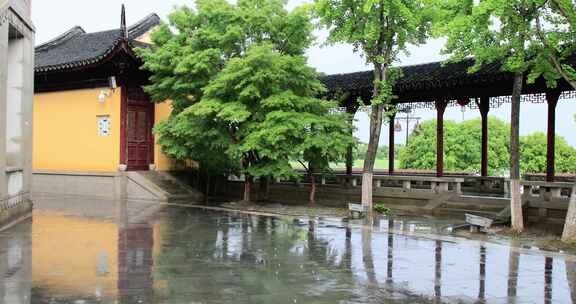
pixel 139 138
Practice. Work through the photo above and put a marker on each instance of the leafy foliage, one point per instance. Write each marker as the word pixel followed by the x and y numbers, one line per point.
pixel 193 50
pixel 533 154
pixel 244 98
pixel 380 30
pixel 361 148
pixel 489 31
pixel 497 31
pixel 382 209
pixel 555 35
pixel 462 146
pixel 264 104
pixel 463 149
pixel 196 43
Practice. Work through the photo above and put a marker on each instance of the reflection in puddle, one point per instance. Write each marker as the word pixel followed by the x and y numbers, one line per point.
pixel 15 263
pixel 135 252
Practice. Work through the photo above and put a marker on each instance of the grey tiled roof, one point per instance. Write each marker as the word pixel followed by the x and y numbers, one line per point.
pixel 420 77
pixel 77 48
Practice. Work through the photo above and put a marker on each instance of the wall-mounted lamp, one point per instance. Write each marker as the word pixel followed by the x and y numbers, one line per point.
pixel 104 94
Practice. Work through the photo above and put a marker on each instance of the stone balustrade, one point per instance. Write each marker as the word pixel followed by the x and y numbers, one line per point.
pixel 547 190
pixel 546 197
pixel 405 182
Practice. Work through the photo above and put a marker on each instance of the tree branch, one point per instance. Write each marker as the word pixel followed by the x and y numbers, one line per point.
pixel 562 11
pixel 305 167
pixel 551 57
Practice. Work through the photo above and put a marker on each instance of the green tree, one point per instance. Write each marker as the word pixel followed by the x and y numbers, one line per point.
pixel 196 43
pixel 288 121
pixel 261 105
pixel 361 148
pixel 324 139
pixel 533 154
pixel 380 29
pixel 556 33
pixel 496 31
pixel 463 146
pixel 193 65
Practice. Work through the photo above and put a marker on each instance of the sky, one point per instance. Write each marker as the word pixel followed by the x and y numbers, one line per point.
pixel 54 17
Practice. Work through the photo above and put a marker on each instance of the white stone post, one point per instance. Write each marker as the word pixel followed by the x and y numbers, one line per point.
pixel 3 102
pixel 27 111
pixel 406 185
pixel 569 234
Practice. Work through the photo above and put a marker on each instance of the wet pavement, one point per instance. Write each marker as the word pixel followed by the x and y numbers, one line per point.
pixel 83 251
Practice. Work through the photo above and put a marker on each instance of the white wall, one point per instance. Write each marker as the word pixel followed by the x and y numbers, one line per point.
pixel 14 118
pixel 16 93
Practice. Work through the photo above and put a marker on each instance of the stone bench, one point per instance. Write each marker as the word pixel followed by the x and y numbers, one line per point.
pixel 553 189
pixel 546 196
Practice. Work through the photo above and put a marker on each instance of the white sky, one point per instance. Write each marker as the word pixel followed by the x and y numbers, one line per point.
pixel 53 17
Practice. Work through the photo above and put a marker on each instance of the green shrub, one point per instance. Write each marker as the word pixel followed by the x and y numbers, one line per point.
pixel 381 208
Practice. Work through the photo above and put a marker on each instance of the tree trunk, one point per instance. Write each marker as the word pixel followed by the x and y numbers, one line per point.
pixel 569 234
pixel 207 187
pixel 516 198
pixel 571 276
pixel 263 190
pixel 367 254
pixel 312 190
pixel 247 188
pixel 267 191
pixel 513 265
pixel 375 129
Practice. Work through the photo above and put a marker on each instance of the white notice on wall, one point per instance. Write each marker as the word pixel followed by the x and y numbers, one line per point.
pixel 104 125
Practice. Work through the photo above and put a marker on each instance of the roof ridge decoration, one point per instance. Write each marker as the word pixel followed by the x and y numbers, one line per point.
pixel 123 30
pixel 68 35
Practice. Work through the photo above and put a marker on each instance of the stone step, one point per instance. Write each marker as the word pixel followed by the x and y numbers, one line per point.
pixel 175 189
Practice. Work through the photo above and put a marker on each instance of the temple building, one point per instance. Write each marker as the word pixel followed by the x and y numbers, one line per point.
pixel 16 91
pixel 92 118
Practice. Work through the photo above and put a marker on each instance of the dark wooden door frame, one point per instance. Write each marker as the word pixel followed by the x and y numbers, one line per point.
pixel 124 104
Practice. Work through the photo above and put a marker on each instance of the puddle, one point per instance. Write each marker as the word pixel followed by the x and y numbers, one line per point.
pixel 83 251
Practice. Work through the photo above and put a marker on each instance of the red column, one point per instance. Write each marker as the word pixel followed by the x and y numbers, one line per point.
pixel 484 107
pixel 351 110
pixel 552 99
pixel 440 109
pixel 391 145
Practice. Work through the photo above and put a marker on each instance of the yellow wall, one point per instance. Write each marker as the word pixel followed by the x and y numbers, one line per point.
pixel 146 37
pixel 66 134
pixel 70 264
pixel 163 163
